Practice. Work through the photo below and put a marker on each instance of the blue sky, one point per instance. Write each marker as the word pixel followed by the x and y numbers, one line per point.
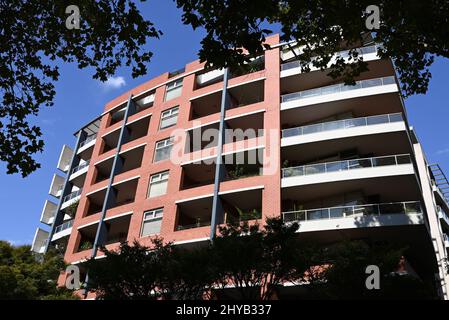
pixel 80 98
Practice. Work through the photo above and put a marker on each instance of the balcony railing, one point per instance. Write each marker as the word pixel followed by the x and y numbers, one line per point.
pixel 87 140
pixel 64 226
pixel 342 124
pixel 80 167
pixel 343 54
pixel 337 88
pixel 72 195
pixel 413 207
pixel 346 165
pixel 193 226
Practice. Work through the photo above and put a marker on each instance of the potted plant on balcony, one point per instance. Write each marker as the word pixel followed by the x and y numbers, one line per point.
pixel 71 210
pixel 86 245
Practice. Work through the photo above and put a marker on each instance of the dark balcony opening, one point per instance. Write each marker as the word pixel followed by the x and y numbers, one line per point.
pixel 103 170
pixel 393 143
pixel 124 193
pixel 117 116
pixel 110 141
pixel 370 191
pixel 246 94
pixel 60 245
pixel 144 102
pixel 202 138
pixel 194 214
pixel 197 175
pixel 243 164
pixel 242 206
pixel 239 96
pixel 117 229
pixel 131 159
pixel 87 238
pixel 95 202
pixel 244 128
pixel 317 78
pixel 138 129
pixel 331 115
pixel 206 105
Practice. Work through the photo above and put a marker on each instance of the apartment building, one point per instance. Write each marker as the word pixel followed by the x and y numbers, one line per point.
pixel 343 161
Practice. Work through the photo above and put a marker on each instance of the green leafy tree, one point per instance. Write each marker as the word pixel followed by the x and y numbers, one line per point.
pixel 34 40
pixel 23 276
pixel 237 27
pixel 137 272
pixel 344 276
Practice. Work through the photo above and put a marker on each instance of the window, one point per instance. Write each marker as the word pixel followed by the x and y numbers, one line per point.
pixel 169 118
pixel 152 221
pixel 163 149
pixel 173 90
pixel 158 184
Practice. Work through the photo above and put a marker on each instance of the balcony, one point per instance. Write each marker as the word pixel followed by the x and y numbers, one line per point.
pixel 294 67
pixel 197 175
pixel 71 198
pixel 116 231
pixel 194 213
pixel 347 170
pixel 209 77
pixel 346 128
pixel 63 230
pixel 239 96
pixel 238 206
pixel 339 92
pixel 145 102
pixel 77 175
pixel 86 147
pixel 40 241
pixel 366 215
pixel 48 212
pixel 56 186
pixel 65 158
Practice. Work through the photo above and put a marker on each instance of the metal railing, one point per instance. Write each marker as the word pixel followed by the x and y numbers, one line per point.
pixel 87 140
pixel 80 167
pixel 346 165
pixel 412 207
pixel 344 54
pixel 337 88
pixel 342 124
pixel 193 226
pixel 64 226
pixel 72 195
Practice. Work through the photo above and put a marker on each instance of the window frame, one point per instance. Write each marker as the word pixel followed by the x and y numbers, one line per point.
pixel 155 217
pixel 168 142
pixel 168 114
pixel 158 178
pixel 173 85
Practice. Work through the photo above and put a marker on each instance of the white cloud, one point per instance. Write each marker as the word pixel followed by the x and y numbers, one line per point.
pixel 114 83
pixel 442 151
